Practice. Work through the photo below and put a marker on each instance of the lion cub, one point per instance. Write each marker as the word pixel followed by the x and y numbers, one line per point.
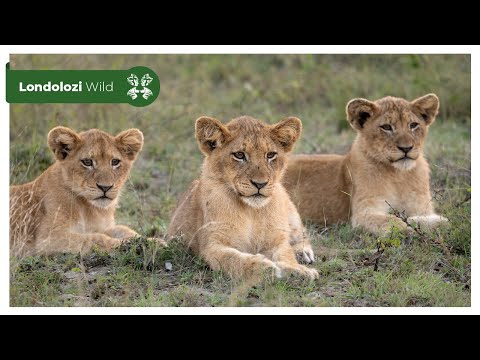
pixel 238 216
pixel 385 164
pixel 71 206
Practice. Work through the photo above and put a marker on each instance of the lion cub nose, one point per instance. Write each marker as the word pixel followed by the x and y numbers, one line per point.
pixel 259 185
pixel 405 149
pixel 104 188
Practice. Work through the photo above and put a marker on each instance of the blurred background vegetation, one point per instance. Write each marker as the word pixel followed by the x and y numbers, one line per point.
pixel 314 88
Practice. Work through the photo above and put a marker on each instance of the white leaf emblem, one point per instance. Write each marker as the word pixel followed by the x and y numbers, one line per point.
pixel 146 93
pixel 146 79
pixel 133 80
pixel 134 91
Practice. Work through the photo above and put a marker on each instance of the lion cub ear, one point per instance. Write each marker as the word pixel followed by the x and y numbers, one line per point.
pixel 130 142
pixel 62 141
pixel 287 132
pixel 427 107
pixel 210 134
pixel 359 111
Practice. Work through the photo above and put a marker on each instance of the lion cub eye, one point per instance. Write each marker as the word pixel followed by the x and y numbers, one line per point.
pixel 239 155
pixel 413 125
pixel 87 162
pixel 115 162
pixel 386 127
pixel 271 155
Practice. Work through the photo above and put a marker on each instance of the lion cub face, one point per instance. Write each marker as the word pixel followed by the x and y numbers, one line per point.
pixel 95 164
pixel 393 129
pixel 246 155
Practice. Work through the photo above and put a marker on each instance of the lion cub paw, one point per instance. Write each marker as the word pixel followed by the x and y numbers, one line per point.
pixel 159 242
pixel 268 264
pixel 312 274
pixel 105 242
pixel 258 263
pixel 298 269
pixel 429 220
pixel 304 253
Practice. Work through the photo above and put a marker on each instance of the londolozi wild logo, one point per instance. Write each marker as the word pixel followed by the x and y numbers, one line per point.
pixel 133 92
pixel 144 86
pixel 138 86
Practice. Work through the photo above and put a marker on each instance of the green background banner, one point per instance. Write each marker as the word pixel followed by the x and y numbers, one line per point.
pixel 138 86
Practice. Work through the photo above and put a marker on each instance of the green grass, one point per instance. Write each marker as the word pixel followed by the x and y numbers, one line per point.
pixel 414 272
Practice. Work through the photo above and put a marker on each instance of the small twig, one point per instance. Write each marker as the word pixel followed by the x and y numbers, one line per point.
pixel 437 194
pixel 375 267
pixel 374 259
pixel 325 229
pixel 415 227
pixel 464 201
pixel 402 216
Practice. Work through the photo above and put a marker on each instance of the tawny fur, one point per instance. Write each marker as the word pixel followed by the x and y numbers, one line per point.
pixel 221 219
pixel 60 211
pixel 356 187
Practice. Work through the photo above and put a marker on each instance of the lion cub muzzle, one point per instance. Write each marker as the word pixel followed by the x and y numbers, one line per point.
pixel 259 184
pixel 105 189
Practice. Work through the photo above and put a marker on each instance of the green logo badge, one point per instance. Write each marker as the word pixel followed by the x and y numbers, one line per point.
pixel 145 86
pixel 138 86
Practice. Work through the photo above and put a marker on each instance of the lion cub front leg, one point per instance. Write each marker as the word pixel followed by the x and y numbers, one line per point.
pixel 236 263
pixel 299 239
pixel 121 232
pixel 378 223
pixel 283 255
pixel 429 221
pixel 124 233
pixel 68 241
pixel 300 242
pixel 373 215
